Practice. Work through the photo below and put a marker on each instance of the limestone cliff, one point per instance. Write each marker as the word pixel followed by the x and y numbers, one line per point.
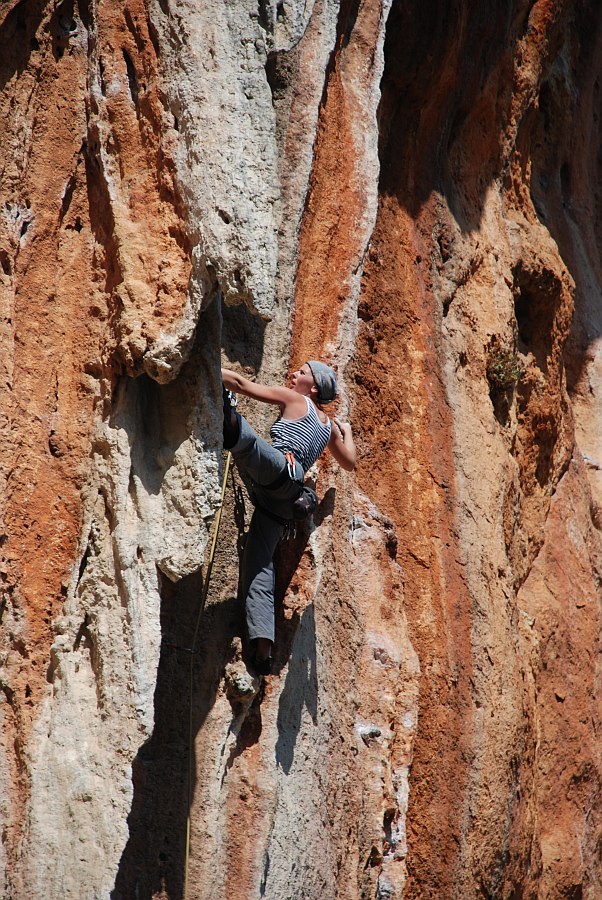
pixel 409 190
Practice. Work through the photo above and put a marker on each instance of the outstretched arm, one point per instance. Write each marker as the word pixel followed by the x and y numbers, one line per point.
pixel 341 445
pixel 290 403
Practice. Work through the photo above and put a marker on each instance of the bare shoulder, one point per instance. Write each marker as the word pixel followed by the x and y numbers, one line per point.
pixel 295 406
pixel 324 419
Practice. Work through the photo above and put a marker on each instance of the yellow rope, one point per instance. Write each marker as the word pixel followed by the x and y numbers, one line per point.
pixel 193 647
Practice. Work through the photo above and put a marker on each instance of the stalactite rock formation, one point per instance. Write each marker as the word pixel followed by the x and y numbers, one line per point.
pixel 409 191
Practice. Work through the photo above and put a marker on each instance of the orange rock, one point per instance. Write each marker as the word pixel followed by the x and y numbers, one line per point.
pixel 411 193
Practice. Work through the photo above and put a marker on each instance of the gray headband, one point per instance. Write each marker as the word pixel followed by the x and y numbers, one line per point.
pixel 324 379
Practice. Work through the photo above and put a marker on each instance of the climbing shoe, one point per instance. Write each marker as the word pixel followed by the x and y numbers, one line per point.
pixel 230 398
pixel 263 666
pixel 231 429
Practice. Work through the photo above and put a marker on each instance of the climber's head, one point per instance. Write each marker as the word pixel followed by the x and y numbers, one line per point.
pixel 316 380
pixel 324 379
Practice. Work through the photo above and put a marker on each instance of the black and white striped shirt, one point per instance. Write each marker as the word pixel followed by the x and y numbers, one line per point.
pixel 305 437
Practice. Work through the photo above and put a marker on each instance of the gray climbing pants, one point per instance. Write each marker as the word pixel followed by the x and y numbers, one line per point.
pixel 259 465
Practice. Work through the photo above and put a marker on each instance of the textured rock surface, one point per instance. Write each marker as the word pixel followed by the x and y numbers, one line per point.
pixel 409 190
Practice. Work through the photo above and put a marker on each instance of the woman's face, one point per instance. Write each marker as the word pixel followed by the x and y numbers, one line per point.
pixel 302 381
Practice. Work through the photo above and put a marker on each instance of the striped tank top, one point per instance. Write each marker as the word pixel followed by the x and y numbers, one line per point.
pixel 305 437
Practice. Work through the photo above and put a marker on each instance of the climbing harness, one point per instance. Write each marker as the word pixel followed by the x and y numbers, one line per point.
pixel 193 651
pixel 303 505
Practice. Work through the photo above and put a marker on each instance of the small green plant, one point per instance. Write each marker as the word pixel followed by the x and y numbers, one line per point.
pixel 503 369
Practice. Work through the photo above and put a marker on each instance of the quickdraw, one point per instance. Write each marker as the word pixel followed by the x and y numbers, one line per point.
pixel 290 464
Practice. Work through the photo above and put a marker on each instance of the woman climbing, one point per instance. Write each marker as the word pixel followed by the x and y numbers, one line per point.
pixel 274 476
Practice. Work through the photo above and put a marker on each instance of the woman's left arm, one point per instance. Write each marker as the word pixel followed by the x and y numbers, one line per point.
pixel 341 445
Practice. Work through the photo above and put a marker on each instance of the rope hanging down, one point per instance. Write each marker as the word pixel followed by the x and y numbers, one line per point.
pixel 204 593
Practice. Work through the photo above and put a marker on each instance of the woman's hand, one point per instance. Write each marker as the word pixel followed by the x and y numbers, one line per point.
pixel 341 445
pixel 344 428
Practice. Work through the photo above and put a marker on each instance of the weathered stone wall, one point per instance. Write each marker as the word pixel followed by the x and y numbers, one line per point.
pixel 409 190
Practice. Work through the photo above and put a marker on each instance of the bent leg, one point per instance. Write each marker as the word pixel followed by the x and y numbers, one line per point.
pixel 258 576
pixel 254 456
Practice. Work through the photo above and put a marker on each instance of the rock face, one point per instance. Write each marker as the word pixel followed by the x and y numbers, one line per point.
pixel 411 191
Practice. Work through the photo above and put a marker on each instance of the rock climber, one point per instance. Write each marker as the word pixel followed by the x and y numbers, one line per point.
pixel 274 475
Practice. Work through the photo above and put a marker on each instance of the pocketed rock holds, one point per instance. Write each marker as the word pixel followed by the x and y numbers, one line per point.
pixel 241 686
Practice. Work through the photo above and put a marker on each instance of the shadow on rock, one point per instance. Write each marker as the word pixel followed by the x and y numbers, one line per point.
pixel 154 857
pixel 296 644
pixel 300 690
pixel 243 335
